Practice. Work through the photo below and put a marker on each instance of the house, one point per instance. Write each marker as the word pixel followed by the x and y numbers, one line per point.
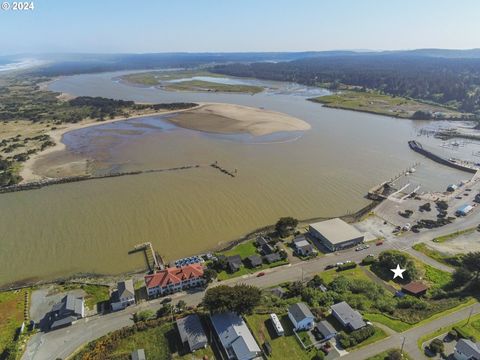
pixel 277 325
pixel 336 234
pixel 415 288
pixel 271 258
pixel 466 350
pixel 254 260
pixel 302 247
pixel 233 337
pixel 175 279
pixel 234 263
pixel 464 210
pixel 66 312
pixel 264 246
pixel 191 333
pixel 138 354
pixel 324 330
pixel 301 316
pixel 349 318
pixel 124 295
pixel 278 292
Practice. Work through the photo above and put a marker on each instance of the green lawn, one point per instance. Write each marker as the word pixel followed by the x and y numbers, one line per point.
pixel 394 324
pixel 160 343
pixel 437 277
pixel 356 273
pixel 11 315
pixel 224 275
pixel 284 347
pixel 384 356
pixel 244 249
pixel 95 294
pixel 200 85
pixel 374 102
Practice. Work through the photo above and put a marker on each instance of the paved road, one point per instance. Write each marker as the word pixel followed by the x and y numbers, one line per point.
pixel 60 343
pixel 411 336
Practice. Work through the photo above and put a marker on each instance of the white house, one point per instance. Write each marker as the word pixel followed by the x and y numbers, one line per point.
pixel 467 350
pixel 300 316
pixel 124 295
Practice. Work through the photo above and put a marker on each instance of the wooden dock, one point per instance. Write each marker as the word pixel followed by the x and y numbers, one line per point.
pixel 153 259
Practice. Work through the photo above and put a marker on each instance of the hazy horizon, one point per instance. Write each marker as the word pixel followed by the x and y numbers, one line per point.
pixel 127 26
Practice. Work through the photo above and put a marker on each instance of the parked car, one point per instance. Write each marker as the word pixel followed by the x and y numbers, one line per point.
pixel 379 243
pixel 331 266
pixel 166 300
pixel 260 274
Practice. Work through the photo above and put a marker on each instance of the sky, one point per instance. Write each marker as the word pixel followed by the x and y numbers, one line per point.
pixel 141 26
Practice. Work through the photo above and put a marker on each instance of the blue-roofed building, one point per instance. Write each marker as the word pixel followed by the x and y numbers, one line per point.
pixel 234 338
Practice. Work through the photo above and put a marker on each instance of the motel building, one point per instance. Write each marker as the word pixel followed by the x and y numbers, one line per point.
pixel 174 279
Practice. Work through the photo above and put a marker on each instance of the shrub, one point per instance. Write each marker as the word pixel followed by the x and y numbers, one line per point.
pixel 437 346
pixel 347 266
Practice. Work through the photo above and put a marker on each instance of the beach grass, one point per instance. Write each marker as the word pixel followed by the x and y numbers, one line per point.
pixel 12 304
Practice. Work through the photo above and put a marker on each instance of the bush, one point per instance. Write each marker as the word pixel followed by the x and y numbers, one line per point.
pixel 452 334
pixel 437 346
pixel 355 337
pixel 395 355
pixel 347 266
pixel 320 355
pixel 368 260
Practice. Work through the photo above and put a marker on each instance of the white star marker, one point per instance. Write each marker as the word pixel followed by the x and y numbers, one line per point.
pixel 398 272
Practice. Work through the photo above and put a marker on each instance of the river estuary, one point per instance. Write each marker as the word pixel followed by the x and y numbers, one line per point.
pixel 89 226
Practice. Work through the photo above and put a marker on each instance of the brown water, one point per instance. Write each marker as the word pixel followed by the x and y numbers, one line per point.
pixel 90 226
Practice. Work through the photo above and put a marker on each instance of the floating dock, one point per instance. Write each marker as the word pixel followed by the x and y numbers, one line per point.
pixel 453 163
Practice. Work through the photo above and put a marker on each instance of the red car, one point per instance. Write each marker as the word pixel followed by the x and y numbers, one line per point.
pixel 260 274
pixel 379 243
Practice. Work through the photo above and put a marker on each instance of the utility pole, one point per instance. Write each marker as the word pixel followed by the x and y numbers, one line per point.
pixel 403 344
pixel 469 316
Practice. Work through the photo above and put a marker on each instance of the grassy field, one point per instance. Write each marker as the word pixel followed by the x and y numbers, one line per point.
pixel 223 275
pixel 435 255
pixel 200 85
pixel 471 329
pixel 330 275
pixel 384 355
pixel 376 103
pixel 94 293
pixel 451 236
pixel 244 249
pixel 284 347
pixel 151 78
pixel 161 342
pixel 394 324
pixel 11 315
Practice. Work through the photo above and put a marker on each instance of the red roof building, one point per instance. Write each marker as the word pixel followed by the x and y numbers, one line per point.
pixel 415 288
pixel 174 279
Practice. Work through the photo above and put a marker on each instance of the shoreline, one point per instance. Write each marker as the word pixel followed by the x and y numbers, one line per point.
pixel 207 117
pixel 221 247
pixel 27 172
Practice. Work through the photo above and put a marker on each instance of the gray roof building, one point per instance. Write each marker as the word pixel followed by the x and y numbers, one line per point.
pixel 348 317
pixel 467 349
pixel 300 311
pixel 302 246
pixel 69 309
pixel 336 234
pixel 236 339
pixel 271 258
pixel 254 260
pixel 325 329
pixel 234 263
pixel 125 289
pixel 191 332
pixel 138 354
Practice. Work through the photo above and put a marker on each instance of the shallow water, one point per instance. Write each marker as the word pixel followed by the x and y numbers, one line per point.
pixel 90 226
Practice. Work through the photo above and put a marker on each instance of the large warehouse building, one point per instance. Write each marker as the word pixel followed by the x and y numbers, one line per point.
pixel 336 234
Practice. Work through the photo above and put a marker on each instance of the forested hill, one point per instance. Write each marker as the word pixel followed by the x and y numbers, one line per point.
pixel 449 80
